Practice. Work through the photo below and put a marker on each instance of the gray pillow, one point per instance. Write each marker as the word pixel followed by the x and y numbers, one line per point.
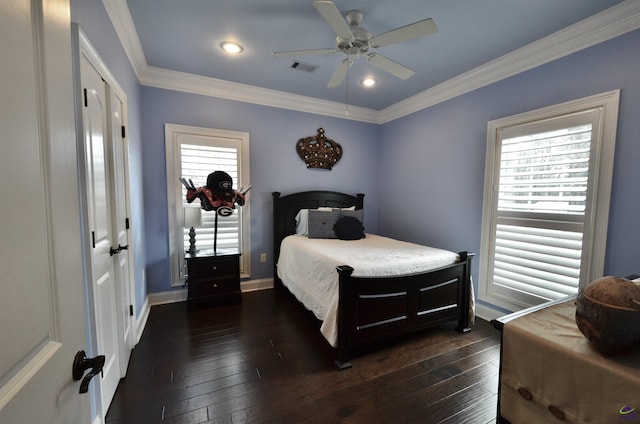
pixel 321 223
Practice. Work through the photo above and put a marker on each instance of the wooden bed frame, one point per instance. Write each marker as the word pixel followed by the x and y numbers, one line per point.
pixel 376 309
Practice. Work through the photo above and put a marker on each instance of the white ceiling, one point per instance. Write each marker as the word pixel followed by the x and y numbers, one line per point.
pixel 473 35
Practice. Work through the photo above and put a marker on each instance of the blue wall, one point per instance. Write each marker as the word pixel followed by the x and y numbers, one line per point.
pixel 438 154
pixel 275 165
pixel 94 21
pixel 430 163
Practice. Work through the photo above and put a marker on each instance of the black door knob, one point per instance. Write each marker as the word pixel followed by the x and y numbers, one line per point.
pixel 81 363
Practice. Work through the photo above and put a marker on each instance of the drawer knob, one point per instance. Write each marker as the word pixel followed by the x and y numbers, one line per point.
pixel 214 268
pixel 526 394
pixel 557 412
pixel 215 285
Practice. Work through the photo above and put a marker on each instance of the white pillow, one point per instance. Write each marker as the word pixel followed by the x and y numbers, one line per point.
pixel 302 219
pixel 302 222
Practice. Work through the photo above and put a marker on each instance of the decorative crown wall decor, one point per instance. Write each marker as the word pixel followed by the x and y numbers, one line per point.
pixel 319 151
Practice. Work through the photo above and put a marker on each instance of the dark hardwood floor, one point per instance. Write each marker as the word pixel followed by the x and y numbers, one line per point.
pixel 265 361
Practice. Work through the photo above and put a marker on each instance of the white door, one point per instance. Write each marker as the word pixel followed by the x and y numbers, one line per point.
pixel 103 240
pixel 42 314
pixel 121 226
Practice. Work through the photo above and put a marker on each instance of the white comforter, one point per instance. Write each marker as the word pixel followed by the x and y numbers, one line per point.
pixel 307 267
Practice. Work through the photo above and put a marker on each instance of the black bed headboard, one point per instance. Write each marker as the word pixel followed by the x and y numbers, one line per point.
pixel 285 209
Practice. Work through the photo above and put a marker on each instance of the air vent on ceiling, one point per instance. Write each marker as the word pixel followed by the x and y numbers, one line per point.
pixel 304 67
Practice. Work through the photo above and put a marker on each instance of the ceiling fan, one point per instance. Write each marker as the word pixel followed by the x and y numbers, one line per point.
pixel 354 41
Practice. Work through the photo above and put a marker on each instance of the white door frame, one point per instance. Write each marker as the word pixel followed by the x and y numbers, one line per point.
pixel 42 309
pixel 121 225
pixel 82 47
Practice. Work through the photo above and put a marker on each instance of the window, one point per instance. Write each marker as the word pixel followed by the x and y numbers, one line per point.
pixel 546 201
pixel 193 153
pixel 197 162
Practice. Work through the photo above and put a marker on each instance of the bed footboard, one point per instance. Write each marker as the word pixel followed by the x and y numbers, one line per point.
pixel 376 309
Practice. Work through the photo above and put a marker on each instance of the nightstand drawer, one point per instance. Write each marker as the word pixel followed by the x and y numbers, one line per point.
pixel 213 279
pixel 214 286
pixel 200 269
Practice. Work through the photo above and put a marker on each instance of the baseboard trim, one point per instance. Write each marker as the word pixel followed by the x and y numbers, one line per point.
pixel 141 321
pixel 171 296
pixel 174 296
pixel 253 285
pixel 488 313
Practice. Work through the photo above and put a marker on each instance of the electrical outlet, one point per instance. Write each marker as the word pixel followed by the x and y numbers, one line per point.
pixel 263 257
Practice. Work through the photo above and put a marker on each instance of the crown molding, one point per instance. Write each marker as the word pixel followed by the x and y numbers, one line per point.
pixel 196 84
pixel 122 22
pixel 608 24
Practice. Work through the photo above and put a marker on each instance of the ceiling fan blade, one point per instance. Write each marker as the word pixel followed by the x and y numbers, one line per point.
pixel 293 53
pixel 334 18
pixel 340 73
pixel 405 33
pixel 390 66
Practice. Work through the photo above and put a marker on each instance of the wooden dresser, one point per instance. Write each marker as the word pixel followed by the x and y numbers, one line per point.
pixel 213 278
pixel 550 373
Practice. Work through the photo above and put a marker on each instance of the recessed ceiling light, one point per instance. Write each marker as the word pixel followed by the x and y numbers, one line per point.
pixel 231 47
pixel 368 82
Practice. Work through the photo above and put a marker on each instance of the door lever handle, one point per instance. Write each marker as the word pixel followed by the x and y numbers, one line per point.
pixel 84 385
pixel 113 251
pixel 81 363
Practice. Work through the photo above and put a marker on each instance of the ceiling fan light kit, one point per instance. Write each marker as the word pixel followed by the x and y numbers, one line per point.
pixel 355 41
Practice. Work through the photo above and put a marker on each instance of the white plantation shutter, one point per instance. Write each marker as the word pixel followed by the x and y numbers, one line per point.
pixel 193 153
pixel 539 216
pixel 541 203
pixel 197 162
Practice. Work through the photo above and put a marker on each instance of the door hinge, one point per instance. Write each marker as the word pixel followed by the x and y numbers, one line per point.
pixel 126 223
pixel 85 98
pixel 123 132
pixel 130 310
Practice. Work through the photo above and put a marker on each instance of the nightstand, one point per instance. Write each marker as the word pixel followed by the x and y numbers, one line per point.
pixel 213 277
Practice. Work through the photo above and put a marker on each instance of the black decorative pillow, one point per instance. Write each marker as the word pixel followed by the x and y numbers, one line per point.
pixel 349 228
pixel 321 223
pixel 356 213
